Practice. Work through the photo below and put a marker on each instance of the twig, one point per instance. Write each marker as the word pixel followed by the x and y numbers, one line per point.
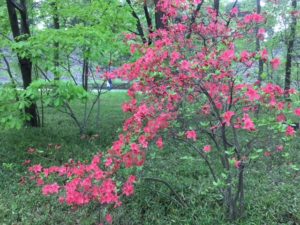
pixel 178 197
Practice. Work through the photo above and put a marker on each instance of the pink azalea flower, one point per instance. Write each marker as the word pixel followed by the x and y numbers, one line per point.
pixel 281 118
pixel 248 123
pixel 264 55
pixel 128 189
pixel 261 33
pixel 297 112
pixel 207 148
pixel 275 63
pixel 234 11
pixel 36 169
pixel 108 162
pixel 252 94
pixel 290 131
pixel 279 148
pixel 50 189
pixel 135 148
pixel 191 134
pixel 108 218
pixel 160 143
pixel 228 56
pixel 245 55
pixel 254 18
pixel 227 117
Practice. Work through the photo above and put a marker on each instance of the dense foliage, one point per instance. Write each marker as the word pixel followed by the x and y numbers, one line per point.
pixel 206 79
pixel 195 87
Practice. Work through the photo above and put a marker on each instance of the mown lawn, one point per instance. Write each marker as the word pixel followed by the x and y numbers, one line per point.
pixel 272 190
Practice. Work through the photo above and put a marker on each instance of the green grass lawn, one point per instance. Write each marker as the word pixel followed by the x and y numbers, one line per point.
pixel 272 195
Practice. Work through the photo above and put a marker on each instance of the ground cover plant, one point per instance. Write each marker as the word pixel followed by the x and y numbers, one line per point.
pixel 272 199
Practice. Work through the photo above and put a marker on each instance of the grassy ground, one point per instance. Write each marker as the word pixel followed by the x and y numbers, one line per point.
pixel 271 199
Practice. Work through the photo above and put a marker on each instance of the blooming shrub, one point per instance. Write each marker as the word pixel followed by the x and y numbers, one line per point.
pixel 190 86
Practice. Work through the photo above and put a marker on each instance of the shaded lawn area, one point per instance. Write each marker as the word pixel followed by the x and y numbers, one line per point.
pixel 272 199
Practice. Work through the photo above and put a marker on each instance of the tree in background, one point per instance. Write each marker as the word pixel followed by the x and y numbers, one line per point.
pixel 84 35
pixel 18 18
pixel 290 45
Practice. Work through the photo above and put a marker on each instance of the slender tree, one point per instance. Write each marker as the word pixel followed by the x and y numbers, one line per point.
pixel 217 6
pixel 149 21
pixel 56 25
pixel 139 26
pixel 257 43
pixel 159 24
pixel 20 30
pixel 290 48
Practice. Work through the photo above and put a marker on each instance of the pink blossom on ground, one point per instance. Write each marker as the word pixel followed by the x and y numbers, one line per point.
pixel 26 162
pixel 160 143
pixel 39 182
pixel 128 189
pixel 108 218
pixel 50 189
pixel 207 148
pixel 279 148
pixel 36 169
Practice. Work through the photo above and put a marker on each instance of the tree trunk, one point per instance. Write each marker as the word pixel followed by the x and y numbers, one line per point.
pixel 159 24
pixel 260 62
pixel 235 202
pixel 25 63
pixel 290 48
pixel 56 26
pixel 217 6
pixel 149 22
pixel 85 73
pixel 139 27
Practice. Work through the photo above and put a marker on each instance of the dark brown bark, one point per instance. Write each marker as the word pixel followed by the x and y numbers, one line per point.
pixel 85 74
pixel 139 27
pixel 22 31
pixel 217 6
pixel 193 19
pixel 290 49
pixel 260 62
pixel 149 22
pixel 159 24
pixel 56 26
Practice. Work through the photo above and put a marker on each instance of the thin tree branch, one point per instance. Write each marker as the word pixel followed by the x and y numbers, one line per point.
pixel 178 197
pixel 193 19
pixel 138 22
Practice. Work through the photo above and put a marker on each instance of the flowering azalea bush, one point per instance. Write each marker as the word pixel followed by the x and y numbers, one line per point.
pixel 195 87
